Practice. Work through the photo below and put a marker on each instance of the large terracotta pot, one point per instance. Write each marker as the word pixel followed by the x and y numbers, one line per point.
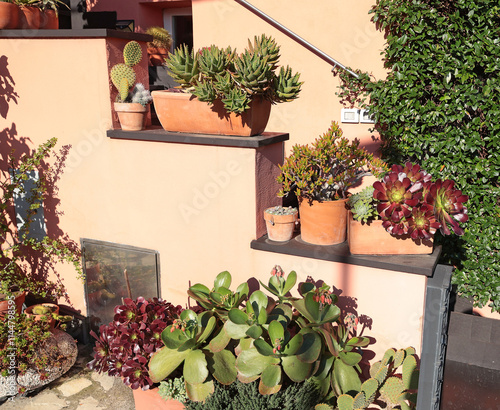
pixel 323 223
pixel 49 20
pixel 372 239
pixel 280 227
pixel 53 307
pixel 29 18
pixel 9 16
pixel 18 301
pixel 151 400
pixel 132 116
pixel 183 112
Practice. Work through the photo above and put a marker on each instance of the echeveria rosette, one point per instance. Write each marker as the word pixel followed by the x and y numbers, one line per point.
pixel 135 373
pixel 448 204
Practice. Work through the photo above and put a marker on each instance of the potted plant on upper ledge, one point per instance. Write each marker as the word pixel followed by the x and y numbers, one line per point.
pixel 132 99
pixel 409 206
pixel 320 176
pixel 225 93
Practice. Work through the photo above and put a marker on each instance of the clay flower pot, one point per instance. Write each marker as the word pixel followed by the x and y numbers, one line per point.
pixel 31 311
pixel 151 400
pixel 132 116
pixel 280 227
pixel 372 239
pixel 30 18
pixel 157 55
pixel 9 15
pixel 183 112
pixel 323 223
pixel 49 20
pixel 19 298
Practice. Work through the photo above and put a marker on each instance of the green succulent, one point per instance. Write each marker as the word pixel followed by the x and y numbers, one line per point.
pixel 161 37
pixel 184 66
pixel 363 206
pixel 132 53
pixel 215 73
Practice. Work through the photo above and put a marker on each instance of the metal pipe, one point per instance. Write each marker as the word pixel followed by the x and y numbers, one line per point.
pixel 295 37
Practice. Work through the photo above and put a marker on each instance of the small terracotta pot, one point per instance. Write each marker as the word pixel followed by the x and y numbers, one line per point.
pixel 132 116
pixel 157 55
pixel 183 112
pixel 151 400
pixel 280 227
pixel 323 223
pixel 372 239
pixel 9 15
pixel 18 301
pixel 55 309
pixel 49 20
pixel 29 18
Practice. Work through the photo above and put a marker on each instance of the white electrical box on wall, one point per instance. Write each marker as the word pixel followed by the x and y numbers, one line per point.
pixel 349 115
pixel 365 117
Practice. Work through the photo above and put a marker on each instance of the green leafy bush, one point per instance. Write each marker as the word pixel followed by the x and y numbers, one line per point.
pixel 440 106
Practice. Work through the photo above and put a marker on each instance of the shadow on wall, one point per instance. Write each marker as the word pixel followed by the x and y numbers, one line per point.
pixel 34 261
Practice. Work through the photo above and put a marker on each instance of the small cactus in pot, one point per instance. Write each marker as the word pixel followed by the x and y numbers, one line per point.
pixel 281 222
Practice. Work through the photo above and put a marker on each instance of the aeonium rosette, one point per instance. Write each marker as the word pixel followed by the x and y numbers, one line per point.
pixel 124 346
pixel 410 203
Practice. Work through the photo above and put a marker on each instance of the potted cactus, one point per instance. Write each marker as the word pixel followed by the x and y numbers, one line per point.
pixel 159 48
pixel 9 15
pixel 320 176
pixel 132 99
pixel 281 222
pixel 408 205
pixel 231 93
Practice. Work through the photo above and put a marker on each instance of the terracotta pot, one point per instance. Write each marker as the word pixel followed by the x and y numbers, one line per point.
pixel 280 227
pixel 323 223
pixel 183 112
pixel 49 20
pixel 18 301
pixel 132 116
pixel 29 18
pixel 372 239
pixel 55 309
pixel 151 400
pixel 157 55
pixel 9 15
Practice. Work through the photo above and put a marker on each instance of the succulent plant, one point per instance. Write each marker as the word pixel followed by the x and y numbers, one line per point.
pixel 409 202
pixel 161 37
pixel 327 168
pixel 281 210
pixel 362 206
pixel 216 73
pixel 123 76
pixel 124 346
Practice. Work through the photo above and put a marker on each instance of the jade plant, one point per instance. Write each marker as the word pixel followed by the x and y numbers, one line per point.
pixel 215 73
pixel 123 77
pixel 274 340
pixel 327 168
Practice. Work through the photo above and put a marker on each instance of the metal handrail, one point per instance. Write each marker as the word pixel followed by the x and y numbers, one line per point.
pixel 295 37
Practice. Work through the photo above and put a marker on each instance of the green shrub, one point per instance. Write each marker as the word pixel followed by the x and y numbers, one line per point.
pixel 440 106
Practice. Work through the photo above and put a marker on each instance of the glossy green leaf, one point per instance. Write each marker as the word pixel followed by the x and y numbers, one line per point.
pixel 200 392
pixel 237 316
pixel 165 361
pixel 222 280
pixel 251 363
pixel 222 366
pixel 295 369
pixel 271 376
pixel 195 367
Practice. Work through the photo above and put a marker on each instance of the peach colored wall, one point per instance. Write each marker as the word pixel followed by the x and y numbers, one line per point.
pixel 341 29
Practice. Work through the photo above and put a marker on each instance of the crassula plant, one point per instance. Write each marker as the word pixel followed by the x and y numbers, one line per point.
pixel 327 168
pixel 410 202
pixel 215 73
pixel 124 346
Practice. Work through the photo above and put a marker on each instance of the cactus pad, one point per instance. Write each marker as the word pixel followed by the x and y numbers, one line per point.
pixel 120 71
pixel 132 53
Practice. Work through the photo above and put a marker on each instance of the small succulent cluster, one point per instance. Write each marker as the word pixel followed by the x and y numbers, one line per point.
pixel 281 210
pixel 220 73
pixel 173 389
pixel 325 170
pixel 123 76
pixel 124 346
pixel 362 206
pixel 409 202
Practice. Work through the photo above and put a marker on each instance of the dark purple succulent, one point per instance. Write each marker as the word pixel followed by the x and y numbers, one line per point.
pixel 125 345
pixel 448 205
pixel 409 203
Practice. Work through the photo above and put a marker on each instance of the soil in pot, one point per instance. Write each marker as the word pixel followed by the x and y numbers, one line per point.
pixel 280 228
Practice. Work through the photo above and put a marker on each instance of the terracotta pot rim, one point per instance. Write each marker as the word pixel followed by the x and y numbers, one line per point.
pixel 130 107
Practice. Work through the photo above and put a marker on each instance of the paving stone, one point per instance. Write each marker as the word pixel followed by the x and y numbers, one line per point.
pixel 104 380
pixel 74 386
pixel 89 404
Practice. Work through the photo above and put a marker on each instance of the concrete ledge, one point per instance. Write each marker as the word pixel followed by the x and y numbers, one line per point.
pixel 74 33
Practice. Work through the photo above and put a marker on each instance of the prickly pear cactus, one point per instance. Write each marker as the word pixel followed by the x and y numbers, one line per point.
pixel 132 53
pixel 122 74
